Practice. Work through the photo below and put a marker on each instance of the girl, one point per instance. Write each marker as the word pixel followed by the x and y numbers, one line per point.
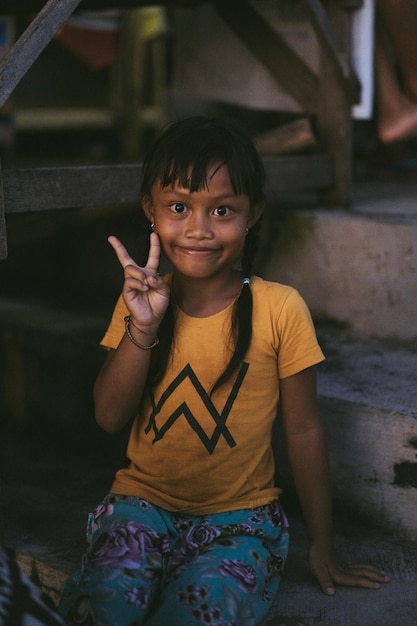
pixel 193 531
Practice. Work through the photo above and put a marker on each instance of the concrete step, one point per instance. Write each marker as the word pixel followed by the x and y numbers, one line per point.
pixel 355 266
pixel 368 399
pixel 301 603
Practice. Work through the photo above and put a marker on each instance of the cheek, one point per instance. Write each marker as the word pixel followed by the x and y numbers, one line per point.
pixel 237 238
pixel 166 237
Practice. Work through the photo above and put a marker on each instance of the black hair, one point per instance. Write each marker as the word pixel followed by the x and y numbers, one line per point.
pixel 183 154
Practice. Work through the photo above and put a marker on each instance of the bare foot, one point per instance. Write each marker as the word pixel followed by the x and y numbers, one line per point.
pixel 400 124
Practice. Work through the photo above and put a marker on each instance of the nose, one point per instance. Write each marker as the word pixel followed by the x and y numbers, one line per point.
pixel 198 226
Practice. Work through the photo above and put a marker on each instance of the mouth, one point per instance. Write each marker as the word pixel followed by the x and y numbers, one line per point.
pixel 197 250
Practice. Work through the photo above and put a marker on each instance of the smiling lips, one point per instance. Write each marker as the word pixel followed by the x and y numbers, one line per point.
pixel 197 250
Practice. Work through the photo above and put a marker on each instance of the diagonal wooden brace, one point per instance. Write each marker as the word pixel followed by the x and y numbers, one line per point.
pixel 33 41
pixel 270 48
pixel 338 56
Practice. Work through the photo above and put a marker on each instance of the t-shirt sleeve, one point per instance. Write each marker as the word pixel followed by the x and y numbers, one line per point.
pixel 116 329
pixel 298 345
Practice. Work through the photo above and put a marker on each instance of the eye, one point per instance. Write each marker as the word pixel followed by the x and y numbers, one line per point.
pixel 222 211
pixel 178 207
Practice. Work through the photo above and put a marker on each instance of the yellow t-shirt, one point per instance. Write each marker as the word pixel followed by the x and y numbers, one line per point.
pixel 192 453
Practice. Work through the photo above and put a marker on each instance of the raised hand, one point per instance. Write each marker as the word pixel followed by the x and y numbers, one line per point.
pixel 145 293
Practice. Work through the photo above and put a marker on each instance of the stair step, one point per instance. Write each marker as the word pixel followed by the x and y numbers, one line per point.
pixel 300 602
pixel 368 399
pixel 354 266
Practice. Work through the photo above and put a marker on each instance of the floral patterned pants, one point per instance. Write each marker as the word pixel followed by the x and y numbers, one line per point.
pixel 149 566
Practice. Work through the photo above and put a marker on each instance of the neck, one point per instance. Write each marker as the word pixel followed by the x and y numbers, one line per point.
pixel 199 298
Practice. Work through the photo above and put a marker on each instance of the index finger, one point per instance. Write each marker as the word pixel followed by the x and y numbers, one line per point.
pixel 154 253
pixel 121 252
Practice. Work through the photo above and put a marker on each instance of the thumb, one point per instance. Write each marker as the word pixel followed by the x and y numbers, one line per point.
pixel 325 580
pixel 328 588
pixel 326 584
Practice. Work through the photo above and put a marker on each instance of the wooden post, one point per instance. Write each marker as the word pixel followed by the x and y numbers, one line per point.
pixel 131 84
pixel 3 236
pixel 334 114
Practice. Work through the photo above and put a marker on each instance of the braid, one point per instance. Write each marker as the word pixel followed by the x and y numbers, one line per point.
pixel 250 249
pixel 242 313
pixel 162 354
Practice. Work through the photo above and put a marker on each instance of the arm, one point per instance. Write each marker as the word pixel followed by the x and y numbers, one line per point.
pixel 121 381
pixel 308 459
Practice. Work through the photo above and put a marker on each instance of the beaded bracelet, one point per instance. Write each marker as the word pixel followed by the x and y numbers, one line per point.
pixel 133 340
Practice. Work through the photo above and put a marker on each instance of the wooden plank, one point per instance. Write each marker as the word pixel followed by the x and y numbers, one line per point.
pixel 62 118
pixel 289 70
pixel 36 37
pixel 295 136
pixel 333 48
pixel 69 187
pixel 3 236
pixel 40 189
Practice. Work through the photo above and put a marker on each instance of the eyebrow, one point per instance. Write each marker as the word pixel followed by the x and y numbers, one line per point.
pixel 187 193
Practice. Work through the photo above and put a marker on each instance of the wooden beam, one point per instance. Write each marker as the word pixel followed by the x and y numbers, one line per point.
pixel 288 69
pixel 28 47
pixel 41 189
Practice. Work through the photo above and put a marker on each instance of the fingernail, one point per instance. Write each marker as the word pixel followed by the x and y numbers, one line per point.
pixel 330 591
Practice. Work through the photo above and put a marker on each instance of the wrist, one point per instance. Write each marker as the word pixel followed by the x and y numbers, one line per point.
pixel 146 331
pixel 322 544
pixel 141 338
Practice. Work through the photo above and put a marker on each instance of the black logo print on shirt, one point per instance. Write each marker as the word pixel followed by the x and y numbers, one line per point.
pixel 184 410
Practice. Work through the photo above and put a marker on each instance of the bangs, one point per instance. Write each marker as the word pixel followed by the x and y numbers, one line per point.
pixel 187 151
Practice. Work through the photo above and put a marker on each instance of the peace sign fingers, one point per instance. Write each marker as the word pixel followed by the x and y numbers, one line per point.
pixel 152 264
pixel 122 254
pixel 145 293
pixel 154 254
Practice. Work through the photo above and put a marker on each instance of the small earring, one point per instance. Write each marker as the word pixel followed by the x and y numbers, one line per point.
pixel 152 225
pixel 247 230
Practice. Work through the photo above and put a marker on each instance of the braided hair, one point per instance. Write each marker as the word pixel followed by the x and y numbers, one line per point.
pixel 183 155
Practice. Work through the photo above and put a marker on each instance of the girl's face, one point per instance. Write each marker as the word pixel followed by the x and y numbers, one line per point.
pixel 202 232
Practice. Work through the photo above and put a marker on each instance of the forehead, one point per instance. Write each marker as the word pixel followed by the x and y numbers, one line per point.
pixel 216 179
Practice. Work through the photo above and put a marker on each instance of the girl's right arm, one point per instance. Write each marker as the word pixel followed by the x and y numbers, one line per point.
pixel 119 386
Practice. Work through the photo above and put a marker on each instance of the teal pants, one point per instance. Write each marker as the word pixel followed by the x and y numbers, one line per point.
pixel 149 566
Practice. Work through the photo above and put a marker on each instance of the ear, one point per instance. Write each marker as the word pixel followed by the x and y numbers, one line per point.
pixel 255 214
pixel 146 203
